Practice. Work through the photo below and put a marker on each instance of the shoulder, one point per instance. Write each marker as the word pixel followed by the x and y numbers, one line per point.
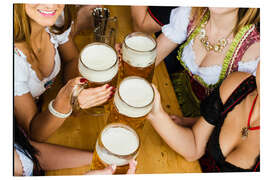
pixel 21 64
pixel 231 83
pixel 252 53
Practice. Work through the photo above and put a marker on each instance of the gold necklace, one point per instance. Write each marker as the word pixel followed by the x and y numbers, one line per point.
pixel 218 47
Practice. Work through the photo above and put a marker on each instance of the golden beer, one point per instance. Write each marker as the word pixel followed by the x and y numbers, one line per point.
pixel 132 101
pixel 98 63
pixel 139 55
pixel 117 144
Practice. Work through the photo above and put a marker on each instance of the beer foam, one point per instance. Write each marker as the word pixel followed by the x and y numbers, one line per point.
pixel 140 43
pixel 138 94
pixel 99 58
pixel 143 56
pixel 119 141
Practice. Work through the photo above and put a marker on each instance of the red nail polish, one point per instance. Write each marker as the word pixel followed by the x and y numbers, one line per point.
pixel 107 86
pixel 83 80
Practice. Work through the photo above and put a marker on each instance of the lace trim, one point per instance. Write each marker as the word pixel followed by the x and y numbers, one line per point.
pixel 27 164
pixel 181 48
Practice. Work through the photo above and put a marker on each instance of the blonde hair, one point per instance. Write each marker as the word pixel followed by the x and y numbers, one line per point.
pixel 22 28
pixel 245 17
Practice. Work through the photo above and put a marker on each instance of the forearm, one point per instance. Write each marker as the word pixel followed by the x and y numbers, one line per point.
pixel 138 14
pixel 179 138
pixel 52 157
pixel 70 70
pixel 44 124
pixel 142 21
pixel 70 56
pixel 164 47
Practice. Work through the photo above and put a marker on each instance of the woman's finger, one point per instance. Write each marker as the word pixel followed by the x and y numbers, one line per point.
pixel 96 101
pixel 132 167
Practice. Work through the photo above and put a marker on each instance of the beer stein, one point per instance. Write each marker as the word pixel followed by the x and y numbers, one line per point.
pixel 98 63
pixel 132 101
pixel 139 55
pixel 117 144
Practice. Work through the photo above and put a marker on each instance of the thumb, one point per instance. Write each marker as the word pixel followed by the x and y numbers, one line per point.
pixel 132 167
pixel 107 171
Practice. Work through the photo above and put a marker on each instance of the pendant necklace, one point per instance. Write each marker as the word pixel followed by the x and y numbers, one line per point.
pixel 245 130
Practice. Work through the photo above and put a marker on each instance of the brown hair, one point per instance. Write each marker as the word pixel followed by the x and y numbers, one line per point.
pixel 22 28
pixel 246 16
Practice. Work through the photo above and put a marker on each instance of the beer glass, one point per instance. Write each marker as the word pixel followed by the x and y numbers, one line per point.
pixel 117 144
pixel 132 101
pixel 107 31
pixel 98 63
pixel 139 55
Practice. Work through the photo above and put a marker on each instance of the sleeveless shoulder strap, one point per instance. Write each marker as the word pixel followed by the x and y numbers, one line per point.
pixel 246 87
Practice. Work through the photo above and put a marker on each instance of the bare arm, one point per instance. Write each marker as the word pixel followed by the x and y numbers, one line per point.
pixel 38 125
pixel 52 157
pixel 142 21
pixel 189 142
pixel 69 56
pixel 84 19
pixel 164 47
pixel 41 125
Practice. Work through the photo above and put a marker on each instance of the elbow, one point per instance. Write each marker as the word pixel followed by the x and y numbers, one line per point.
pixel 191 158
pixel 36 136
pixel 137 26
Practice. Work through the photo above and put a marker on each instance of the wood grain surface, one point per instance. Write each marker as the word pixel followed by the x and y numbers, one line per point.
pixel 81 129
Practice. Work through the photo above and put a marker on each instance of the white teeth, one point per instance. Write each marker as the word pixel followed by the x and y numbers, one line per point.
pixel 47 12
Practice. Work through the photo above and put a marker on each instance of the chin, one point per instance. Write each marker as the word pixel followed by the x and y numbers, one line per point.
pixel 47 23
pixel 218 10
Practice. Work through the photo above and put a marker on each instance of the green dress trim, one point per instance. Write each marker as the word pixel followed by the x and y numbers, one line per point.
pixel 228 56
pixel 188 101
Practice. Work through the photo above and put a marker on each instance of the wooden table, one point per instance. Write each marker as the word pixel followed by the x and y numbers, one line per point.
pixel 81 130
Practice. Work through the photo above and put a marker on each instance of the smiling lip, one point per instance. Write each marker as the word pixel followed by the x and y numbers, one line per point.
pixel 47 13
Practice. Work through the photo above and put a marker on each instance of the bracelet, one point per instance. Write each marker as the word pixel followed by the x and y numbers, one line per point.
pixel 74 96
pixel 56 113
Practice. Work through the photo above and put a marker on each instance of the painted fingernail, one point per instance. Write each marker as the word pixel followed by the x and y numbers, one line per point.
pixel 107 86
pixel 83 80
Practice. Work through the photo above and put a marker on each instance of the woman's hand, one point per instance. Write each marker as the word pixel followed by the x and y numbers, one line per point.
pixel 157 106
pixel 87 98
pixel 111 169
pixel 95 96
pixel 62 100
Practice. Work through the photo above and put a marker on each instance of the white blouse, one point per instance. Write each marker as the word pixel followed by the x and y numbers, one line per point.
pixel 176 31
pixel 27 163
pixel 26 79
